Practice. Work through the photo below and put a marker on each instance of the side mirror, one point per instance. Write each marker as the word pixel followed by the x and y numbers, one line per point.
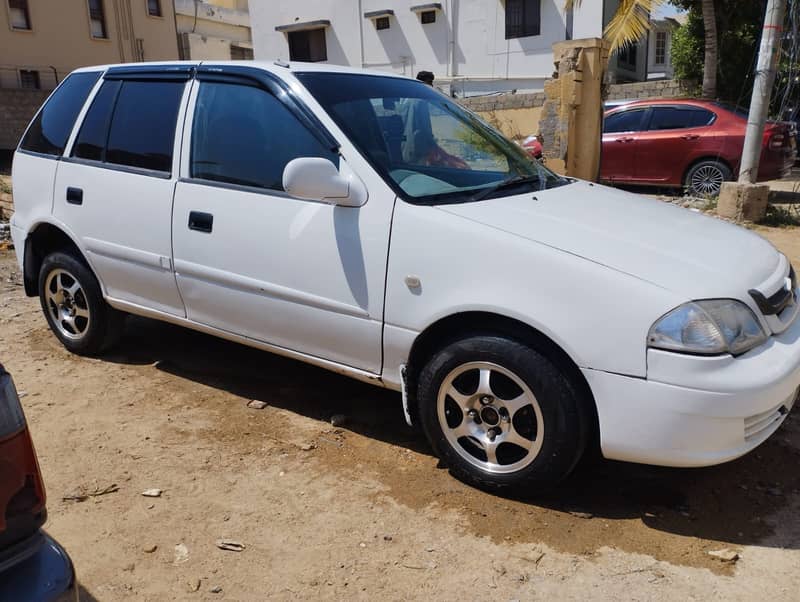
pixel 317 179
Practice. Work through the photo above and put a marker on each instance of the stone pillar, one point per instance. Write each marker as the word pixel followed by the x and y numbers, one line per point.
pixel 572 115
pixel 743 202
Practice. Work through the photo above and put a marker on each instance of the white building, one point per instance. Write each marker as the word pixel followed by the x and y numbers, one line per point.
pixel 659 49
pixel 477 46
pixel 213 29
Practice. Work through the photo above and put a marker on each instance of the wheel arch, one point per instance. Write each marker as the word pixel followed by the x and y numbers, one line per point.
pixel 45 238
pixel 450 328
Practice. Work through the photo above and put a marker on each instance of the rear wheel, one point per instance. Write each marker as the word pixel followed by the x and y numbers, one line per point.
pixel 500 414
pixel 73 304
pixel 706 177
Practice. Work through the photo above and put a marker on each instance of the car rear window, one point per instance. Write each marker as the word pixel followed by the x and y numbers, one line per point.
pixel 142 130
pixel 49 131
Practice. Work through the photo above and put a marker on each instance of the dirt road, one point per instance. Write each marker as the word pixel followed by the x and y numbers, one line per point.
pixel 360 511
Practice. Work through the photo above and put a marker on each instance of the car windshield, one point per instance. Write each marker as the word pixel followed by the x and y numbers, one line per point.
pixel 426 146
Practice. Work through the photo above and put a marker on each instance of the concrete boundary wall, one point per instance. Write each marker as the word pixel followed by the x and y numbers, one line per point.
pixel 17 108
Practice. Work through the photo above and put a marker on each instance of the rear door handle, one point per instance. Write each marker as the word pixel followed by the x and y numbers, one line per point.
pixel 202 222
pixel 691 136
pixel 74 196
pixel 625 139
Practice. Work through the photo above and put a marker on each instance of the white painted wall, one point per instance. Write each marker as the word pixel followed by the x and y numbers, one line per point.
pixel 466 44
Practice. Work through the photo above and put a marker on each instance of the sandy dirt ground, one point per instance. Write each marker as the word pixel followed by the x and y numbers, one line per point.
pixel 361 511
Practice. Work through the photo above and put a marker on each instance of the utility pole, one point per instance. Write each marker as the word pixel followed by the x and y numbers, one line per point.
pixel 762 90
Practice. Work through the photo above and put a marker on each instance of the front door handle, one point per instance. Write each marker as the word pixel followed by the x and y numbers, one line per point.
pixel 625 139
pixel 74 196
pixel 691 136
pixel 202 222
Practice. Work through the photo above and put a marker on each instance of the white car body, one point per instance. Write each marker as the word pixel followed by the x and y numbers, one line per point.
pixel 351 288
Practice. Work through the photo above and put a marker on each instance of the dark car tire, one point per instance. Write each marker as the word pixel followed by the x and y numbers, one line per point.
pixel 73 305
pixel 706 177
pixel 556 418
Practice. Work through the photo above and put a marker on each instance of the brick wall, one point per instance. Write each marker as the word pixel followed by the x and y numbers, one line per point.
pixel 17 107
pixel 667 88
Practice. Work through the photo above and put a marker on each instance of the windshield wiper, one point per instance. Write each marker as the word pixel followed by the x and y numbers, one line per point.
pixel 507 183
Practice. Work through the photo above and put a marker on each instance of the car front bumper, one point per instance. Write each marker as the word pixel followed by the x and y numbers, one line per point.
pixel 43 571
pixel 698 411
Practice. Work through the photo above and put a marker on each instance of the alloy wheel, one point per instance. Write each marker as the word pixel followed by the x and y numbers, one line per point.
pixel 707 179
pixel 490 417
pixel 67 305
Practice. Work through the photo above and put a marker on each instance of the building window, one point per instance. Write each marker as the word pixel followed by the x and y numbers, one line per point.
pixel 523 18
pixel 661 47
pixel 29 79
pixel 427 16
pixel 382 23
pixel 154 8
pixel 97 18
pixel 20 16
pixel 240 53
pixel 308 45
pixel 627 56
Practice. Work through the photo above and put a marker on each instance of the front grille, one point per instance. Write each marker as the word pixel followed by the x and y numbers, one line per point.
pixel 755 426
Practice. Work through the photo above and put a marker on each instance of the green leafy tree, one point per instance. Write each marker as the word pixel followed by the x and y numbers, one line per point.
pixel 738 34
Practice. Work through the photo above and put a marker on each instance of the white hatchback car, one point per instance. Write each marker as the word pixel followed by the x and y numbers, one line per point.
pixel 370 225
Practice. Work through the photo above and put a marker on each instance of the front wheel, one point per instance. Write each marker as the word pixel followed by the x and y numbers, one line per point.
pixel 500 414
pixel 73 304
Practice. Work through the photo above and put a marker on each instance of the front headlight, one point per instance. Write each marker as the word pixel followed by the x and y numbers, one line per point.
pixel 708 327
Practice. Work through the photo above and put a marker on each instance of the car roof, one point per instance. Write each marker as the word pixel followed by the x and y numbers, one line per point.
pixel 653 102
pixel 277 67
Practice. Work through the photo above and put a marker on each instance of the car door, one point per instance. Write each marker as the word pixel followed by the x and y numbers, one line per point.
pixel 115 185
pixel 669 144
pixel 251 260
pixel 621 131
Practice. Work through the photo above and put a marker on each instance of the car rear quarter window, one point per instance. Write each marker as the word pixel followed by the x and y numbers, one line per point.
pixel 91 141
pixel 49 131
pixel 244 135
pixel 142 132
pixel 624 121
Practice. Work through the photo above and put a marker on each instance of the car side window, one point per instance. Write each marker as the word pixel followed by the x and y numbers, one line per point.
pixel 91 140
pixel 670 118
pixel 624 121
pixel 244 135
pixel 49 132
pixel 142 130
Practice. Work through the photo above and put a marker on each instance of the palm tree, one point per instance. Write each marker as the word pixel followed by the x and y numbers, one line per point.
pixel 710 65
pixel 631 21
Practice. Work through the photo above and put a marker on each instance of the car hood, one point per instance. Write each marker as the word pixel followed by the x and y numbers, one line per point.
pixel 677 249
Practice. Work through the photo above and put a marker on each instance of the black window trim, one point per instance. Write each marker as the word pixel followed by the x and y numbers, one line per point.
pixel 142 171
pixel 272 192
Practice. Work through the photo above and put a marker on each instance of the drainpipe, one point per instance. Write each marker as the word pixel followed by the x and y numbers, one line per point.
pixel 361 31
pixel 451 66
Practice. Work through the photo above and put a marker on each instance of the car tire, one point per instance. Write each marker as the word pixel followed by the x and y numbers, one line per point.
pixel 486 383
pixel 706 177
pixel 74 307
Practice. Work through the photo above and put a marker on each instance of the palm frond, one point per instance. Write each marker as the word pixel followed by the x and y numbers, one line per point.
pixel 630 23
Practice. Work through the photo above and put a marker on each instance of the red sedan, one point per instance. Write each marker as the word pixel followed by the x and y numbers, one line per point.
pixel 686 143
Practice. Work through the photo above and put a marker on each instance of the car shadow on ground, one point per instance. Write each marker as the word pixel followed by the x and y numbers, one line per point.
pixel 729 503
